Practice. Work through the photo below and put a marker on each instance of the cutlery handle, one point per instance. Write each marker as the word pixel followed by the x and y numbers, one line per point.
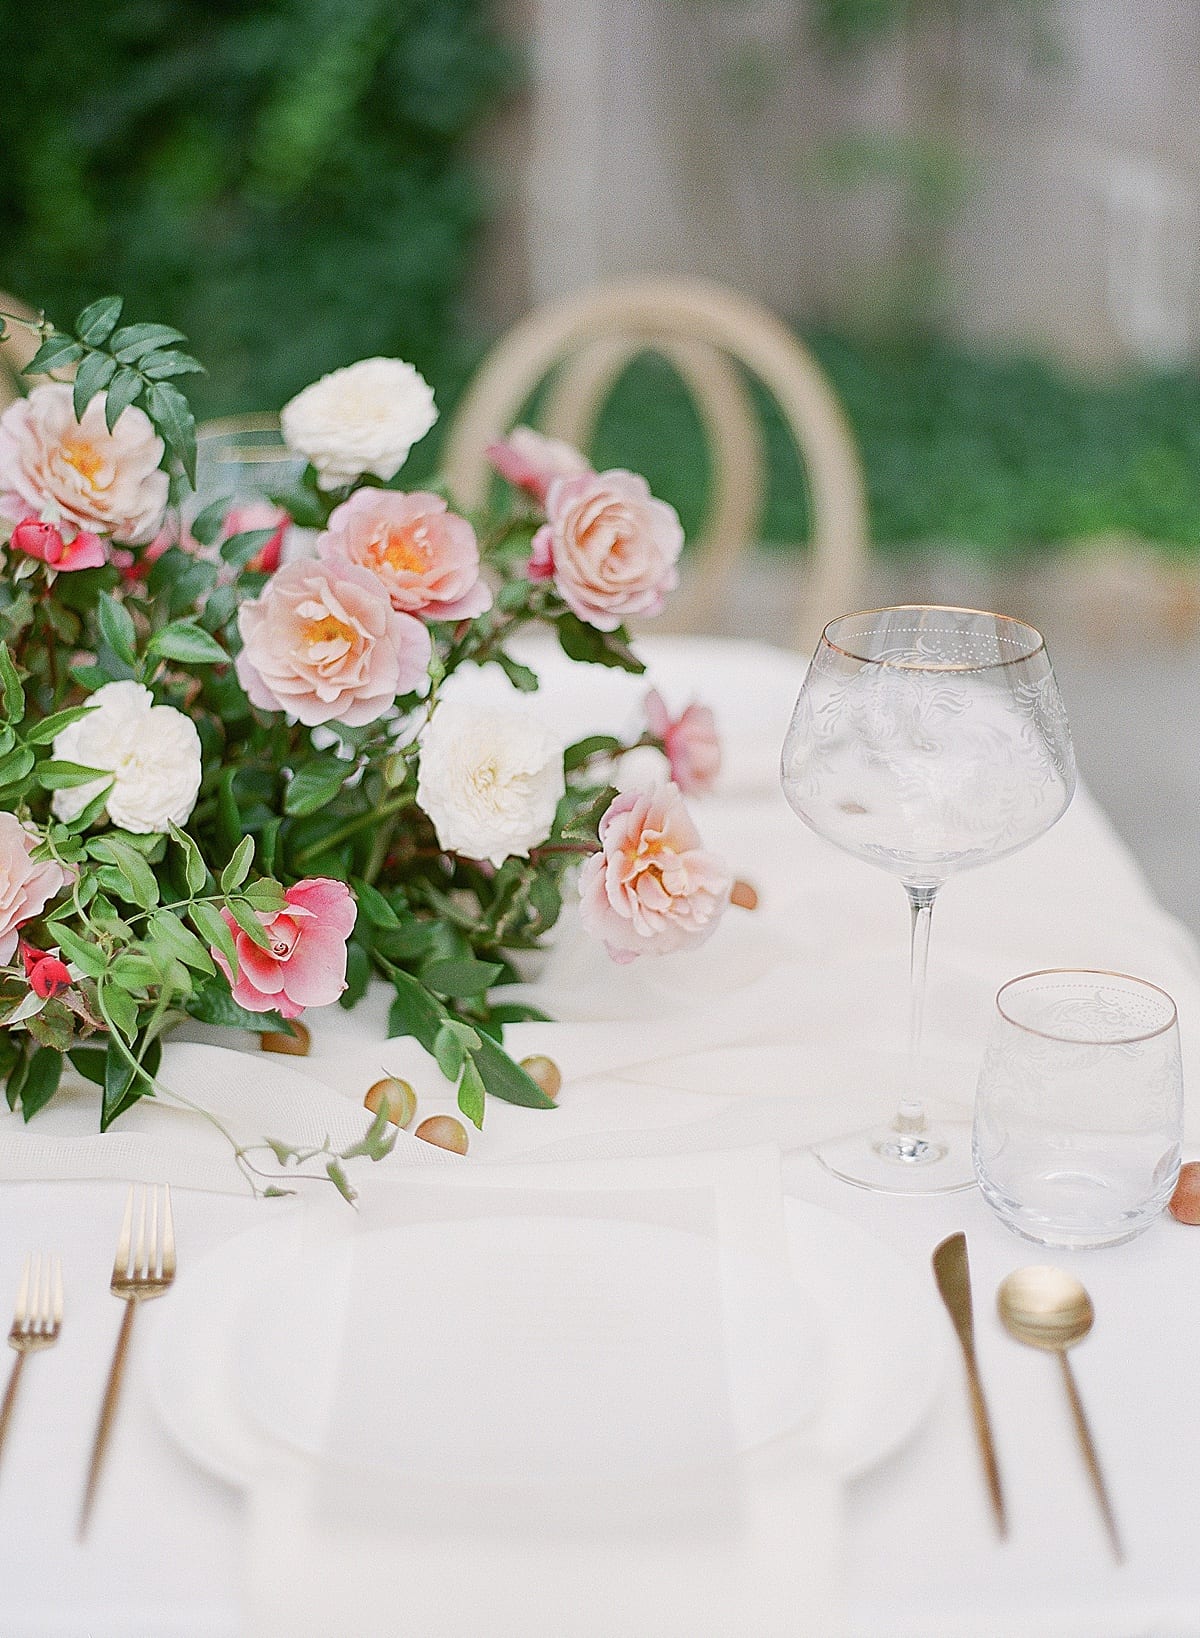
pixel 10 1397
pixel 987 1446
pixel 1088 1447
pixel 107 1413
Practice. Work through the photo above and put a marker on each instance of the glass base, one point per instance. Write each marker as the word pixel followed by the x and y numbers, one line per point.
pixel 936 1161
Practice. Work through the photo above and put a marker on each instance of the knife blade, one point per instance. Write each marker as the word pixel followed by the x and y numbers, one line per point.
pixel 952 1271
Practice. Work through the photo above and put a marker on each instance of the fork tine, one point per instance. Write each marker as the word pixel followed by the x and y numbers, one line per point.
pixel 168 1240
pixel 121 1260
pixel 139 1250
pixel 21 1311
pixel 154 1249
pixel 44 1311
pixel 58 1292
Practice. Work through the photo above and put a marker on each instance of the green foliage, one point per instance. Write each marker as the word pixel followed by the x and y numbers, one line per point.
pixel 989 453
pixel 285 180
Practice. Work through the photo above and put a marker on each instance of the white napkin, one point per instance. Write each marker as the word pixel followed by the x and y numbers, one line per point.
pixel 770 1569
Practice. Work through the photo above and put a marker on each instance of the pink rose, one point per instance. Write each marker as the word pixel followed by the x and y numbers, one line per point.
pixel 26 888
pixel 306 963
pixel 324 643
pixel 259 514
pixel 651 888
pixel 690 741
pixel 426 557
pixel 77 472
pixel 530 461
pixel 609 545
pixel 48 545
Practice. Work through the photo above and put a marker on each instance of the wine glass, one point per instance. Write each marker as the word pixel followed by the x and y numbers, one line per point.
pixel 925 740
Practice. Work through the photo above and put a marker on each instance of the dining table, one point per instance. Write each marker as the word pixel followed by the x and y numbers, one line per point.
pixel 702 1079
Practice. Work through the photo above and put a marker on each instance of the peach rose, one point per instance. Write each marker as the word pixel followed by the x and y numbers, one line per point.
pixel 324 643
pixel 425 556
pixel 77 472
pixel 690 741
pixel 651 888
pixel 609 546
pixel 532 462
pixel 26 888
pixel 305 965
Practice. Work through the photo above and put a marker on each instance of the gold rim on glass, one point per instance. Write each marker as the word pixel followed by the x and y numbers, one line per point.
pixel 1089 972
pixel 934 608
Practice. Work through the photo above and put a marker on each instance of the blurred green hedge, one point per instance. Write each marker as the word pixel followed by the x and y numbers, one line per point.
pixel 285 180
pixel 993 454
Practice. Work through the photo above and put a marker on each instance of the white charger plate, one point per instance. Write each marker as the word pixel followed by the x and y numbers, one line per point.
pixel 868 1350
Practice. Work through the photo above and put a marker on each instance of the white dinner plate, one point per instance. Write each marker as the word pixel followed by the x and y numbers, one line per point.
pixel 857 1329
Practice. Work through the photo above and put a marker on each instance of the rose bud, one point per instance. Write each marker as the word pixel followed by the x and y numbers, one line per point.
pixel 445 1133
pixel 545 1072
pixel 395 1097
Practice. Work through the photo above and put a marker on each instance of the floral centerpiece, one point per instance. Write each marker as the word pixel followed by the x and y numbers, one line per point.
pixel 234 783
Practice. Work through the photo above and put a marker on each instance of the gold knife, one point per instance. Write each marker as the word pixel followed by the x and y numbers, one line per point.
pixel 952 1272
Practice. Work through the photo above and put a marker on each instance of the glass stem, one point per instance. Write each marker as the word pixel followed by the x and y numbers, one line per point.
pixel 910 1117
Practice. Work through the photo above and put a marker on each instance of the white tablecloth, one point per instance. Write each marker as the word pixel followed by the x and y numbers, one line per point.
pixel 162 1560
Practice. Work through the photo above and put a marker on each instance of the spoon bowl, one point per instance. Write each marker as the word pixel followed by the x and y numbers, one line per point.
pixel 1045 1308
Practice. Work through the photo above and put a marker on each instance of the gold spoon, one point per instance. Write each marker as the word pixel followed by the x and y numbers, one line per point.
pixel 1048 1309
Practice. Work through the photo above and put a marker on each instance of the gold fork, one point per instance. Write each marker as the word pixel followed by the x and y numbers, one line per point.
pixel 37 1319
pixel 143 1268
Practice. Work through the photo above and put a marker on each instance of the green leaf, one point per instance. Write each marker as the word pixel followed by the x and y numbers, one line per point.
pixel 92 376
pixel 240 548
pixel 50 727
pixel 358 975
pixel 41 1081
pixel 165 928
pixel 158 366
pixel 172 415
pixel 14 694
pixel 15 766
pixel 89 1062
pixel 214 1005
pixel 470 1093
pixel 449 1052
pixel 584 643
pixel 377 1141
pixel 92 812
pixel 576 755
pixel 507 1080
pixel 265 895
pixel 414 1011
pixel 337 1176
pixel 134 341
pixel 248 921
pixel 55 353
pixel 374 906
pixel 67 776
pixel 195 869
pixel 208 523
pixel 122 390
pixel 213 927
pixel 87 956
pixel 118 1004
pixel 460 978
pixel 519 675
pixel 132 970
pixel 123 1086
pixel 238 868
pixel 97 322
pixel 141 885
pixel 186 641
pixel 117 628
pixel 315 784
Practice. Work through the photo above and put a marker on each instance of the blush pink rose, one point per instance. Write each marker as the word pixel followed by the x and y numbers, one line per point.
pixel 49 546
pixel 652 888
pixel 259 514
pixel 609 546
pixel 425 556
pixel 324 643
pixel 306 963
pixel 532 462
pixel 690 741
pixel 78 472
pixel 26 888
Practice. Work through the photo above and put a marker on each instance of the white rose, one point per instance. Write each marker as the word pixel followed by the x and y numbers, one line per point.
pixel 364 418
pixel 490 779
pixel 152 751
